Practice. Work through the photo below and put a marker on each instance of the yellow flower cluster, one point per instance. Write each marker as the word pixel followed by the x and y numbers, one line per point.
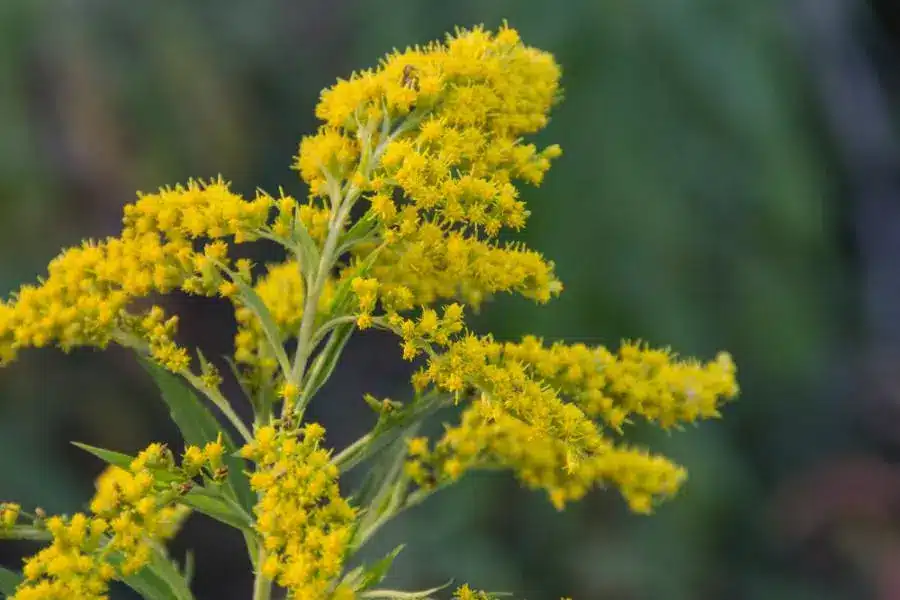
pixel 638 380
pixel 130 510
pixel 304 523
pixel 366 291
pixel 84 298
pixel 111 486
pixel 429 328
pixel 521 418
pixel 430 264
pixel 432 140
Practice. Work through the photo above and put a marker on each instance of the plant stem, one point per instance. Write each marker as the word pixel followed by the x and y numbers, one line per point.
pixel 216 397
pixel 341 204
pixel 262 585
pixel 312 298
pixel 348 453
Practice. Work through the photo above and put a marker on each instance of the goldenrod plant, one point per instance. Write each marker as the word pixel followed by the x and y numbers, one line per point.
pixel 412 178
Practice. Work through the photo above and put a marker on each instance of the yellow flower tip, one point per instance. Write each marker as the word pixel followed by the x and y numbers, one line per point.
pixel 558 498
pixel 467 593
pixel 289 391
pixel 192 459
pixel 453 469
pixel 213 452
pixel 9 514
pixel 417 446
pixel 314 431
pixel 228 289
pixel 640 503
pixel 364 321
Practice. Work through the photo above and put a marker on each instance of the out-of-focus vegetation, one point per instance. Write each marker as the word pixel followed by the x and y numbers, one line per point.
pixel 702 201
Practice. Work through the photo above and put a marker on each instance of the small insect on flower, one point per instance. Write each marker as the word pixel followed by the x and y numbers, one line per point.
pixel 220 474
pixel 410 77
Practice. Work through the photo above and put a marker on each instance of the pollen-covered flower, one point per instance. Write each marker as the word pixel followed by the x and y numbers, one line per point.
pixel 304 522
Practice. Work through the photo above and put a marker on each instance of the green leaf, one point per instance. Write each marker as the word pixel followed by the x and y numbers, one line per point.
pixel 256 305
pixel 188 571
pixel 306 248
pixel 198 426
pixel 168 571
pixel 327 359
pixel 109 456
pixel 358 232
pixel 378 571
pixel 159 580
pixel 400 595
pixel 9 580
pixel 121 460
pixel 204 502
pixel 383 475
pixel 150 585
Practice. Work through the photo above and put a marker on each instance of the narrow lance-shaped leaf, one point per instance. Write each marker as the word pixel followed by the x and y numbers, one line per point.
pixel 9 580
pixel 259 309
pixel 307 248
pixel 198 426
pixel 377 572
pixel 159 580
pixel 327 360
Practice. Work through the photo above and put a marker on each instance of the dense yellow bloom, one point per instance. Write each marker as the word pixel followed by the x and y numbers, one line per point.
pixel 83 301
pixel 431 144
pixel 432 140
pixel 130 511
pixel 524 417
pixel 114 482
pixel 304 523
pixel 638 380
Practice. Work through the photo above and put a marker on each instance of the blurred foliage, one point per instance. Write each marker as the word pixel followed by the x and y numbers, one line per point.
pixel 697 205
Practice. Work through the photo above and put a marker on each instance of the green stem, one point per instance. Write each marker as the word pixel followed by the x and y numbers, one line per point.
pixel 262 585
pixel 329 325
pixel 341 203
pixel 216 397
pixel 312 298
pixel 348 454
pixel 394 511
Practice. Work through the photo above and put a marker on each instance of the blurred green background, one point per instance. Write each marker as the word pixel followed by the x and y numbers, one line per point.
pixel 730 181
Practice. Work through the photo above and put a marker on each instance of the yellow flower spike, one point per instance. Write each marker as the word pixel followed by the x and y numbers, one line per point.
pixel 289 392
pixel 432 145
pixel 304 522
